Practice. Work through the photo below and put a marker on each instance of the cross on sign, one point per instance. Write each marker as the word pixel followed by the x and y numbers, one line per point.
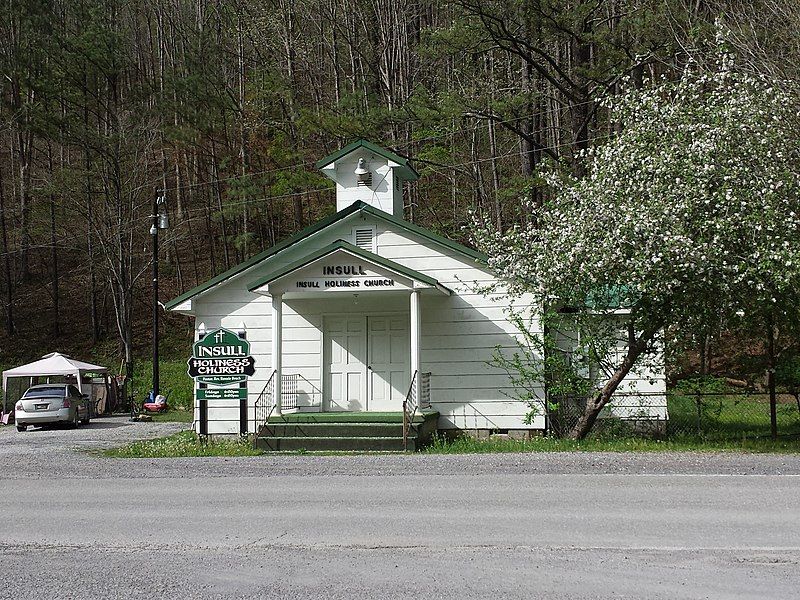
pixel 219 337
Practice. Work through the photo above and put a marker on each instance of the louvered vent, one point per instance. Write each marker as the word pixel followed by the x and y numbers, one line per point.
pixel 364 238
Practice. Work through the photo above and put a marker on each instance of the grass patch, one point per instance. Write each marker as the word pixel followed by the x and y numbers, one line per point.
pixel 173 416
pixel 467 445
pixel 719 422
pixel 183 444
pixel 729 417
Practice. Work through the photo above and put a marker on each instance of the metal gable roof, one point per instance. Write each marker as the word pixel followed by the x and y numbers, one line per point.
pixel 309 231
pixel 405 170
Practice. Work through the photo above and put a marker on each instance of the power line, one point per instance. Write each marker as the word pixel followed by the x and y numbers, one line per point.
pixel 317 190
pixel 216 181
pixel 488 122
pixel 324 189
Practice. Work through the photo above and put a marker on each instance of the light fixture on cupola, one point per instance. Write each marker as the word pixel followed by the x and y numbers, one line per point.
pixel 363 173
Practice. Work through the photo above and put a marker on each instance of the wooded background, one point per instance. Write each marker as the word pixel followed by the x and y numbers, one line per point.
pixel 226 105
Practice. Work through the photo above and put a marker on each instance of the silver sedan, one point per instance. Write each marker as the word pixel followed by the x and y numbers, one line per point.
pixel 52 403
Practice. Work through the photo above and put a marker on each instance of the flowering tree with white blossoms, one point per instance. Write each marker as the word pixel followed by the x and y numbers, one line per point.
pixel 693 209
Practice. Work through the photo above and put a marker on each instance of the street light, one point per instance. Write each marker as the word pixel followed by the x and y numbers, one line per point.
pixel 160 221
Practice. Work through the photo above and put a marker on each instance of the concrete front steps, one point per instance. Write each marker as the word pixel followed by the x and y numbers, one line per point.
pixel 345 432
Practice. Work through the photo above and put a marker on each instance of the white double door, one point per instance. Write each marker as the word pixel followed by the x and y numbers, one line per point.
pixel 366 362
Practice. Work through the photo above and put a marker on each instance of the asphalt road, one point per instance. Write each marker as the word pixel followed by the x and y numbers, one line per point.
pixel 508 526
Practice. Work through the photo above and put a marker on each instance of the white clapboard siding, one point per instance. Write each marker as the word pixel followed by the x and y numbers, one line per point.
pixel 468 383
pixel 456 341
pixel 437 328
pixel 480 368
pixel 449 314
pixel 490 406
pixel 229 311
pixel 641 396
pixel 234 290
pixel 464 355
pixel 293 362
pixel 467 421
pixel 472 300
pixel 221 427
pixel 642 386
pixel 478 396
pixel 647 407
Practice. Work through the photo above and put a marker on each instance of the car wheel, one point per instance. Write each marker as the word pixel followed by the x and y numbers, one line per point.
pixel 86 420
pixel 22 427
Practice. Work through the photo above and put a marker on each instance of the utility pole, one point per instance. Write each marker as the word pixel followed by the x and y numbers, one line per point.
pixel 159 221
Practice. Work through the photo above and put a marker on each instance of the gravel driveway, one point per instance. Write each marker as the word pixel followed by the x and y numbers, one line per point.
pixel 63 453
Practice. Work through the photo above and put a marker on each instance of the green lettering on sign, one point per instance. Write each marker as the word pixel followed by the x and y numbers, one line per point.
pixel 221 362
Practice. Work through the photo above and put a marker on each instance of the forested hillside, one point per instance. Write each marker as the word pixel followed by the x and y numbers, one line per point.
pixel 226 105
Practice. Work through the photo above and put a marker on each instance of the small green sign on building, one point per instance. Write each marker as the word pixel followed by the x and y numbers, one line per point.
pixel 220 365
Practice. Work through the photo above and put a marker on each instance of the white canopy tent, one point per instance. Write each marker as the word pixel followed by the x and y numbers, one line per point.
pixel 53 364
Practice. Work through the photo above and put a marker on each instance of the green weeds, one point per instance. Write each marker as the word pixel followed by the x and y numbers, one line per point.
pixel 496 444
pixel 173 416
pixel 183 444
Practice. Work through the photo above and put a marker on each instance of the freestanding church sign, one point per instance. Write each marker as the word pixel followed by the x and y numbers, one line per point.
pixel 221 359
pixel 220 365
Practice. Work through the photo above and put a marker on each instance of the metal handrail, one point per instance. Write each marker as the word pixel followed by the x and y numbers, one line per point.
pixel 424 400
pixel 290 390
pixel 264 405
pixel 410 406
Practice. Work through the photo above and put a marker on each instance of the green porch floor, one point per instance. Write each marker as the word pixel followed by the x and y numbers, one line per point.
pixel 352 417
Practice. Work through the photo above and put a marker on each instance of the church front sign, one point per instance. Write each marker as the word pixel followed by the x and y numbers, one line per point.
pixel 347 277
pixel 220 361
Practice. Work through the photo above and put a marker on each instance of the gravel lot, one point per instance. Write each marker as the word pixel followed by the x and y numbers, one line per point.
pixel 62 453
pixel 562 525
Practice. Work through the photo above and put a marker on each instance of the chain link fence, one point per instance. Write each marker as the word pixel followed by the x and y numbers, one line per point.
pixel 709 416
pixel 722 416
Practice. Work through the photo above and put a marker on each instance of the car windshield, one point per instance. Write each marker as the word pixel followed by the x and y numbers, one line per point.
pixel 45 392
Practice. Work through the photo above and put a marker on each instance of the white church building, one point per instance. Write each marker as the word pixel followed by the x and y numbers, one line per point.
pixel 359 309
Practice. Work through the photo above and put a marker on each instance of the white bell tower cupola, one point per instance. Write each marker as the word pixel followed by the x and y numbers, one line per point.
pixel 366 172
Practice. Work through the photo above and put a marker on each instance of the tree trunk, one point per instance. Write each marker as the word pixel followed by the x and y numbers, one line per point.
pixel 9 316
pixel 55 327
pixel 54 273
pixel 636 347
pixel 298 213
pixel 244 156
pixel 773 403
pixel 218 192
pixel 24 145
